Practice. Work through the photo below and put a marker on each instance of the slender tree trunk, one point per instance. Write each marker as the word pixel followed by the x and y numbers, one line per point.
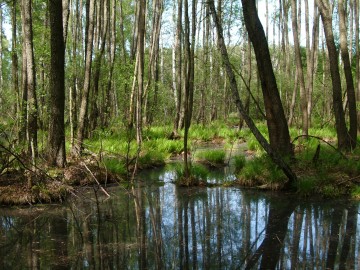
pixel 187 65
pixel 56 147
pixel 274 155
pixel 65 18
pixel 1 55
pixel 357 58
pixel 140 71
pixel 111 64
pixel 23 132
pixel 312 61
pixel 14 59
pixel 350 89
pixel 153 59
pixel 32 112
pixel 103 31
pixel 178 69
pixel 344 141
pixel 77 148
pixel 299 69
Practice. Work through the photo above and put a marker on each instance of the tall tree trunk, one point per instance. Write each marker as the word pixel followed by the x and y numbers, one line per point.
pixel 56 147
pixel 299 69
pixel 14 59
pixel 153 59
pixel 177 69
pixel 344 140
pixel 357 58
pixel 77 147
pixel 312 59
pixel 32 112
pixel 1 56
pixel 274 154
pixel 350 89
pixel 102 29
pixel 65 18
pixel 140 69
pixel 275 117
pixel 187 85
pixel 112 45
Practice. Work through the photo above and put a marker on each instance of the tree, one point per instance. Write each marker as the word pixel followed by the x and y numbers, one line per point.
pixel 350 88
pixel 56 140
pixel 273 154
pixel 77 147
pixel 29 81
pixel 299 69
pixel 275 117
pixel 344 140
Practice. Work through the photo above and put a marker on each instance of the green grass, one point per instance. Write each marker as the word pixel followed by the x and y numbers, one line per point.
pixel 239 162
pixel 115 166
pixel 261 171
pixel 211 157
pixel 198 173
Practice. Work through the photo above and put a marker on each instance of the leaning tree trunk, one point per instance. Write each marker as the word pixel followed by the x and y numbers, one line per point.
pixel 77 147
pixel 357 57
pixel 275 116
pixel 350 89
pixel 274 155
pixel 344 140
pixel 56 143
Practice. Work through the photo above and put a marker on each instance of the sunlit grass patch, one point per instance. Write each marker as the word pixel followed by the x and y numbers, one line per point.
pixel 214 157
pixel 115 166
pixel 197 174
pixel 239 162
pixel 261 171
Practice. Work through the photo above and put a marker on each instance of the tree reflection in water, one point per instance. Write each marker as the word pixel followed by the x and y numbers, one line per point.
pixel 166 227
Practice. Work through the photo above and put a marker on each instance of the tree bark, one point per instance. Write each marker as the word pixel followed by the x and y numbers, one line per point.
pixel 56 140
pixel 350 89
pixel 77 148
pixel 177 69
pixel 299 69
pixel 344 141
pixel 275 117
pixel 14 59
pixel 32 111
pixel 274 155
pixel 140 69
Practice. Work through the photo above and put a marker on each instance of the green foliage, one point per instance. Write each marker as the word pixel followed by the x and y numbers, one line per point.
pixel 355 193
pixel 261 171
pixel 198 173
pixel 211 157
pixel 239 162
pixel 115 166
pixel 306 185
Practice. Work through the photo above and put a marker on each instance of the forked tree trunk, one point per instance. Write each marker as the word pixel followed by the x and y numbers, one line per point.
pixel 274 155
pixel 275 117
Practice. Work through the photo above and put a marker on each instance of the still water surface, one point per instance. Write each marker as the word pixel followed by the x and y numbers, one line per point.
pixel 161 226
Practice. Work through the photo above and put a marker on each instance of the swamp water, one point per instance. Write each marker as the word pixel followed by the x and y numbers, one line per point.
pixel 157 225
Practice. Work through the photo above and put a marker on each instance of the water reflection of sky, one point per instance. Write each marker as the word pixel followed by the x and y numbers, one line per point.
pixel 167 227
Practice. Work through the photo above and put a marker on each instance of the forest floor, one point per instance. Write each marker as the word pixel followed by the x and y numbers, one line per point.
pixel 49 185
